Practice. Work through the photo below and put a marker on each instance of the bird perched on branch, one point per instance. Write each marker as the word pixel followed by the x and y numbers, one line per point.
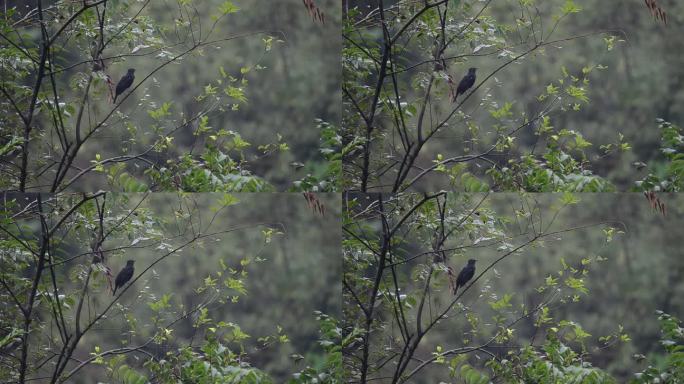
pixel 466 83
pixel 124 275
pixel 465 275
pixel 125 82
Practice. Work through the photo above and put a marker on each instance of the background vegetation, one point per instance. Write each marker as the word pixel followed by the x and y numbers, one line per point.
pixel 228 288
pixel 568 289
pixel 571 95
pixel 229 95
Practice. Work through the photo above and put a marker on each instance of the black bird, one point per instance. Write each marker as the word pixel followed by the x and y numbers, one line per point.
pixel 465 275
pixel 123 276
pixel 125 82
pixel 466 82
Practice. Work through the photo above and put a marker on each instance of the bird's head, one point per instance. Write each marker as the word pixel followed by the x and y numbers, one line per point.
pixel 129 263
pixel 472 70
pixel 131 70
pixel 471 262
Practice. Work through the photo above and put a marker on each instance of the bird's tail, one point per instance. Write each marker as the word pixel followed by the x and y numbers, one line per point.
pixel 456 95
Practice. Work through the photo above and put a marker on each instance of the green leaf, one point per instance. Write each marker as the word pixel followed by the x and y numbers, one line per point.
pixel 569 198
pixel 228 7
pixel 504 302
pixel 161 111
pixel 570 7
pixel 161 303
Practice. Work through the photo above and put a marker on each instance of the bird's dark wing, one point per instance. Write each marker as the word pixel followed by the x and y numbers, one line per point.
pixel 124 276
pixel 124 83
pixel 119 279
pixel 471 273
pixel 465 275
pixel 461 279
pixel 465 84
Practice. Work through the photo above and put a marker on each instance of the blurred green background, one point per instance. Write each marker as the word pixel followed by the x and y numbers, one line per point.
pixel 300 274
pixel 299 83
pixel 644 272
pixel 642 81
